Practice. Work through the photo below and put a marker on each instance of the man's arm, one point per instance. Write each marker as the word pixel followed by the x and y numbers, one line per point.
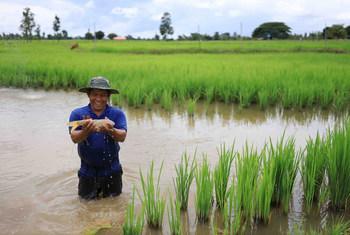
pixel 118 135
pixel 78 136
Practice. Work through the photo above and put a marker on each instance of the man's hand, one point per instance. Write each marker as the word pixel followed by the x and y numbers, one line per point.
pixel 107 126
pixel 89 126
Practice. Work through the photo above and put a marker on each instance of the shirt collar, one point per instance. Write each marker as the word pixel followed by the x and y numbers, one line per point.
pixel 103 114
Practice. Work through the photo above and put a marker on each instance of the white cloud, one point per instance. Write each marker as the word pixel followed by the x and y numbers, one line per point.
pixel 90 4
pixel 128 12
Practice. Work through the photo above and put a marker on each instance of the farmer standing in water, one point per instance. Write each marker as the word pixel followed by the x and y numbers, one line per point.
pixel 100 172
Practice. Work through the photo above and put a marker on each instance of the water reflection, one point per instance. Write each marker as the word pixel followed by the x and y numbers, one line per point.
pixel 38 183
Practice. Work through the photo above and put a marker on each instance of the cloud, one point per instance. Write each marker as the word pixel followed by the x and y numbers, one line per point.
pixel 90 4
pixel 128 12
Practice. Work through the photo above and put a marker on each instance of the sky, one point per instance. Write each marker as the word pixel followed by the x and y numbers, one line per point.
pixel 141 18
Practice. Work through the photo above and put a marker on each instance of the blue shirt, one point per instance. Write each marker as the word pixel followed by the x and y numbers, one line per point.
pixel 99 153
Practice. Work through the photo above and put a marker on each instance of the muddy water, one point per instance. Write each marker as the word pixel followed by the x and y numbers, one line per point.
pixel 39 163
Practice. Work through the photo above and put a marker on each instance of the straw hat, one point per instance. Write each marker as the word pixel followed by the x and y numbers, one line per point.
pixel 101 83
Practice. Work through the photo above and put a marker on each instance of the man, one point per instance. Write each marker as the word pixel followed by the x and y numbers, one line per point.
pixel 100 172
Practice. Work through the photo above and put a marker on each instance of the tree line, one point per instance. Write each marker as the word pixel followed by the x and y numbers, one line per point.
pixel 269 30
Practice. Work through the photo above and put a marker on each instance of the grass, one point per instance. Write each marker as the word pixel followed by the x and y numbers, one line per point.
pixel 152 202
pixel 313 170
pixel 258 76
pixel 338 166
pixel 286 166
pixel 133 224
pixel 184 177
pixel 204 191
pixel 174 217
pixel 222 174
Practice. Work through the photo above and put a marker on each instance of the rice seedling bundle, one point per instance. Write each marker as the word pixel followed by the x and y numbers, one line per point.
pixel 338 166
pixel 133 224
pixel 174 216
pixel 265 188
pixel 222 174
pixel 286 166
pixel 313 170
pixel 233 221
pixel 204 191
pixel 151 199
pixel 184 177
pixel 247 169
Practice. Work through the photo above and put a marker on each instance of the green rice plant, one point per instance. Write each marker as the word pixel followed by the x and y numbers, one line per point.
pixel 191 106
pixel 133 224
pixel 265 188
pixel 313 170
pixel 149 100
pixel 210 94
pixel 246 96
pixel 247 169
pixel 204 191
pixel 222 174
pixel 151 200
pixel 338 227
pixel 166 100
pixel 338 166
pixel 233 212
pixel 263 99
pixel 174 216
pixel 184 177
pixel 286 166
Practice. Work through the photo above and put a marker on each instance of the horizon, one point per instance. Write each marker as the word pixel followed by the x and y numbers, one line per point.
pixel 142 18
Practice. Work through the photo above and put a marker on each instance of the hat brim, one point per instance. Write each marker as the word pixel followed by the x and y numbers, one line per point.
pixel 87 89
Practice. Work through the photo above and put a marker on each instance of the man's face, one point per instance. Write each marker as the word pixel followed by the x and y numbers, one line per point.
pixel 98 99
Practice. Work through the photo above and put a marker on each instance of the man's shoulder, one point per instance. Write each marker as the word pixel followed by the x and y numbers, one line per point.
pixel 115 110
pixel 81 110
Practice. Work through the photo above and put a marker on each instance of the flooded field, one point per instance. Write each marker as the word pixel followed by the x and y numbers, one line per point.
pixel 39 163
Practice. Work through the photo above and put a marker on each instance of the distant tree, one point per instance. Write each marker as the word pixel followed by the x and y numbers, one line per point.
pixel 43 35
pixel 156 37
pixel 27 23
pixel 112 35
pixel 225 36
pixel 271 30
pixel 49 36
pixel 37 32
pixel 336 31
pixel 99 35
pixel 56 26
pixel 348 31
pixel 130 37
pixel 89 36
pixel 165 27
pixel 216 36
pixel 64 34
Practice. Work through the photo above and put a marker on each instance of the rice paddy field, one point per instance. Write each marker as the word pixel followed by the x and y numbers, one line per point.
pixel 227 137
pixel 293 74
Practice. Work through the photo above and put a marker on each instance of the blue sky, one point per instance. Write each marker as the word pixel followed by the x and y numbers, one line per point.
pixel 142 18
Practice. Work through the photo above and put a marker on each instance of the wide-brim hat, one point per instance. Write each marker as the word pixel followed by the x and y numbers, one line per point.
pixel 99 83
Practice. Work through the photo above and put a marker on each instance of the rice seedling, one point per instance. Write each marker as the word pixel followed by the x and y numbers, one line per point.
pixel 313 170
pixel 166 100
pixel 174 216
pixel 133 225
pixel 233 213
pixel 152 202
pixel 191 106
pixel 265 188
pixel 204 191
pixel 184 177
pixel 338 166
pixel 247 169
pixel 222 174
pixel 286 166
